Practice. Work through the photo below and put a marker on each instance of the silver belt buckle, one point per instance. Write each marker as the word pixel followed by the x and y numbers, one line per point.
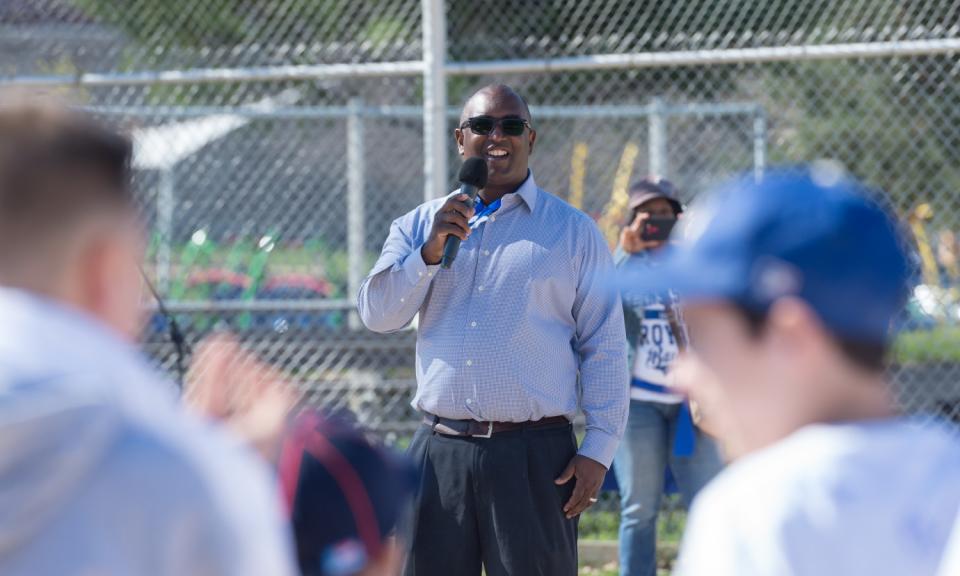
pixel 489 431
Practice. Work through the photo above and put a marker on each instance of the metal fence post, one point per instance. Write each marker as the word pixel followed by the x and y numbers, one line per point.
pixel 657 139
pixel 759 143
pixel 165 206
pixel 434 24
pixel 356 229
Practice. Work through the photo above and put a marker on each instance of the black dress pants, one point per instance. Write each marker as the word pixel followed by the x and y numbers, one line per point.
pixel 492 501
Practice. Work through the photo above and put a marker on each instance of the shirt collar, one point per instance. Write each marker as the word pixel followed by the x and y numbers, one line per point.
pixel 527 192
pixel 28 312
pixel 40 336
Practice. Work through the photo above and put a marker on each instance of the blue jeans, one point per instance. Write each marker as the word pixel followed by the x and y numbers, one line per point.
pixel 640 466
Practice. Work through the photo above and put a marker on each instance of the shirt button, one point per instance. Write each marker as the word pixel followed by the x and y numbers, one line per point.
pixel 493 218
pixel 402 300
pixel 469 362
pixel 486 252
pixel 480 289
pixel 473 324
pixel 420 274
pixel 469 401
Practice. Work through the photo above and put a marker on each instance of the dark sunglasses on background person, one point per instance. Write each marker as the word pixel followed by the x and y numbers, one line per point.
pixel 484 125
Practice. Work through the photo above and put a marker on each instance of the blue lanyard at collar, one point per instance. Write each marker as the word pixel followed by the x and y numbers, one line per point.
pixel 483 211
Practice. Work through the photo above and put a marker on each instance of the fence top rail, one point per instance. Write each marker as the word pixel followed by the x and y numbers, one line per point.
pixel 710 57
pixel 223 75
pixel 926 47
pixel 186 306
pixel 416 112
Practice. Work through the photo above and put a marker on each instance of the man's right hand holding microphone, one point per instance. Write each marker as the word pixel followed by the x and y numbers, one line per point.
pixel 452 220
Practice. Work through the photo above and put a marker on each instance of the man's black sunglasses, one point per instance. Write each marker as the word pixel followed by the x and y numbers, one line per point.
pixel 484 125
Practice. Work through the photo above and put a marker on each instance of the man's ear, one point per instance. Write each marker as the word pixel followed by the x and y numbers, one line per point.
pixel 91 274
pixel 458 136
pixel 795 323
pixel 110 279
pixel 532 139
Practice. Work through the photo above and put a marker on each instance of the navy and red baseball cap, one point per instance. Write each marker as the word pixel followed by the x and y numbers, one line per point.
pixel 812 232
pixel 344 494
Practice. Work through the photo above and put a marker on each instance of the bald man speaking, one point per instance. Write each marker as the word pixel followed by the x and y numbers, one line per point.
pixel 513 339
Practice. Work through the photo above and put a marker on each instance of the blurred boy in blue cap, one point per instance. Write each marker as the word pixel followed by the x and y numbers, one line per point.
pixel 788 299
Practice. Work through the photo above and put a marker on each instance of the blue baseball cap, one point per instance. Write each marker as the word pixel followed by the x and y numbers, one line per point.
pixel 811 232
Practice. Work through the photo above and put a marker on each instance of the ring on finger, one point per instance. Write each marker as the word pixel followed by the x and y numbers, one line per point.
pixel 593 500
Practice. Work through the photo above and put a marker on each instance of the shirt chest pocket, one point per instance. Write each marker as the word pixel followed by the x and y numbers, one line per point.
pixel 552 279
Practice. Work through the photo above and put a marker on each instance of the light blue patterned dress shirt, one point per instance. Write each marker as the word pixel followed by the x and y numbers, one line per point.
pixel 505 332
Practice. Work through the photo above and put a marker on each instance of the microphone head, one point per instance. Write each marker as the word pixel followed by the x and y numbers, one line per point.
pixel 474 172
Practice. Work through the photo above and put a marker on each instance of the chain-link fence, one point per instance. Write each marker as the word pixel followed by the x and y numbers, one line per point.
pixel 277 139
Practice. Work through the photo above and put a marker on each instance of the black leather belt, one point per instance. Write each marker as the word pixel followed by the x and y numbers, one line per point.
pixel 476 429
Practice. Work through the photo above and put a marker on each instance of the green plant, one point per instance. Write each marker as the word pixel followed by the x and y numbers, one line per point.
pixel 928 346
pixel 599 525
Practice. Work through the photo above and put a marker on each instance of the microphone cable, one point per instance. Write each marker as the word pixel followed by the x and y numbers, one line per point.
pixel 176 335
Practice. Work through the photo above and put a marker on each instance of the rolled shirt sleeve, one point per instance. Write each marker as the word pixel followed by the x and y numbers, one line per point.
pixel 394 291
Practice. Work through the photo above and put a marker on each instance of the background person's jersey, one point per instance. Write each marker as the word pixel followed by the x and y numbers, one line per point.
pixel 654 352
pixel 652 344
pixel 102 473
pixel 873 498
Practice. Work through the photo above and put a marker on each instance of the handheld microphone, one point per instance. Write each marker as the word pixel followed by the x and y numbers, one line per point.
pixel 473 177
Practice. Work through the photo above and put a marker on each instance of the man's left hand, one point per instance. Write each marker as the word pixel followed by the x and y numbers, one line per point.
pixel 589 474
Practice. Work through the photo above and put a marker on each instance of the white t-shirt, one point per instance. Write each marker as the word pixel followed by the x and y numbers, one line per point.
pixel 872 498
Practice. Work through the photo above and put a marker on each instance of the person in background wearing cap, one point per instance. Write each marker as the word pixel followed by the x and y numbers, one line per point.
pixel 789 299
pixel 660 430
